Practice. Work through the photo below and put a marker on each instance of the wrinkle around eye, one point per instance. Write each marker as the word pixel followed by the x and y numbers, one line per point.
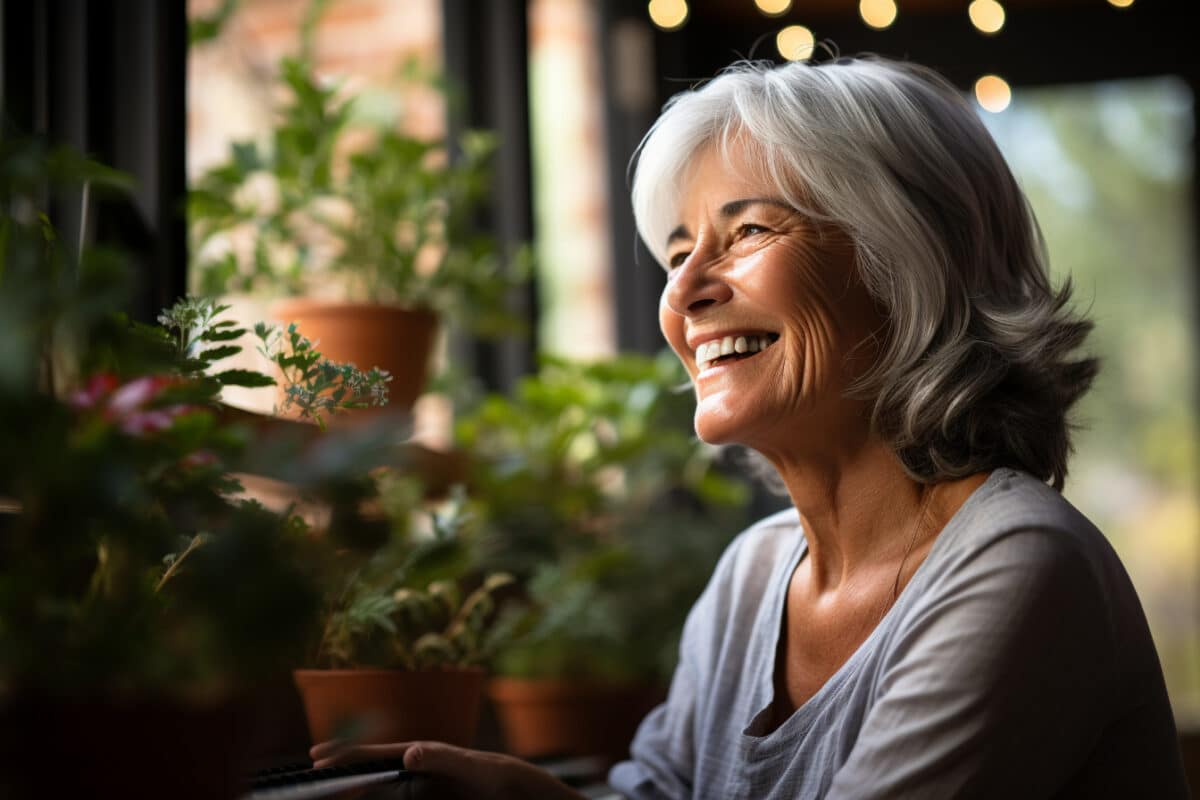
pixel 752 229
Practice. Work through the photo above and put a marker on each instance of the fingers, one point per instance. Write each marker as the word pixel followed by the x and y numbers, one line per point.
pixel 477 774
pixel 439 758
pixel 326 749
pixel 335 752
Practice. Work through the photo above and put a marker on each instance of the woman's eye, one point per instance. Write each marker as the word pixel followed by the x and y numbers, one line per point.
pixel 750 229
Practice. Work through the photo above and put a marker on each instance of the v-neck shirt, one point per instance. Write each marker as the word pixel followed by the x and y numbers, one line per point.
pixel 1016 663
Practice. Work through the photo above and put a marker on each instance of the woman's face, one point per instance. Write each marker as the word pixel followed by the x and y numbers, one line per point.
pixel 748 272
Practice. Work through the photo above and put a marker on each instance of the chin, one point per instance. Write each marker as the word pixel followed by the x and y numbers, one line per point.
pixel 715 428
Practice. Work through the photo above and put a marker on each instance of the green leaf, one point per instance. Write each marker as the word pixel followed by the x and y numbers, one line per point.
pixel 243 377
pixel 222 336
pixel 217 353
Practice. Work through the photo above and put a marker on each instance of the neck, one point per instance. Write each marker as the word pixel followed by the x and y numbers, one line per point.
pixel 862 513
pixel 858 512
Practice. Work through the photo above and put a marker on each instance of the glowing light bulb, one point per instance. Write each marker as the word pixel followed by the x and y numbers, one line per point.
pixel 986 15
pixel 1120 3
pixel 773 8
pixel 877 13
pixel 795 43
pixel 668 14
pixel 993 93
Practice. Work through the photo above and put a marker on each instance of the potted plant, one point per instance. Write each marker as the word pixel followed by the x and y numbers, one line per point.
pixel 140 600
pixel 368 232
pixel 402 645
pixel 592 488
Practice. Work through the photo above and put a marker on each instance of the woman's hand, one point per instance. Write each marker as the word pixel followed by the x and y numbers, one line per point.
pixel 454 772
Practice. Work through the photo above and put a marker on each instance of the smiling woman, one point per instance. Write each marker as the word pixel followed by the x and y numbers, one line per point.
pixel 859 292
pixel 931 613
pixel 745 264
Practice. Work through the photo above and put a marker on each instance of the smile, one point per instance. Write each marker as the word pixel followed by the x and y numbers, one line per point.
pixel 732 348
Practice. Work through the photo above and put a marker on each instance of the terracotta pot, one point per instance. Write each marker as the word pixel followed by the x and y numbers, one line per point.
pixel 139 748
pixel 397 339
pixel 542 718
pixel 381 705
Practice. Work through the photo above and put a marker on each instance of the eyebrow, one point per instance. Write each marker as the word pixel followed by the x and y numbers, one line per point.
pixel 730 210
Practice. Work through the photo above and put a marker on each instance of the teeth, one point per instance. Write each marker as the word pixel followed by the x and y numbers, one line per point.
pixel 711 351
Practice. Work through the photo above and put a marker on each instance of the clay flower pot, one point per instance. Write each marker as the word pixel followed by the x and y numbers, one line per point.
pixel 399 340
pixel 546 717
pixel 383 705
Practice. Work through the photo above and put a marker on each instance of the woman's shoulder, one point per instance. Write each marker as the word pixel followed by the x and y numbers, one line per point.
pixel 1023 539
pixel 1014 511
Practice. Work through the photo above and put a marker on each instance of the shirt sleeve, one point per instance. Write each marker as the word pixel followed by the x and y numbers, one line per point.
pixel 999 685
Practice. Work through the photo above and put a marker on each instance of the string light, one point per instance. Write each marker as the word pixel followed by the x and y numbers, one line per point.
pixel 993 93
pixel 773 8
pixel 668 14
pixel 1120 3
pixel 986 15
pixel 795 43
pixel 879 14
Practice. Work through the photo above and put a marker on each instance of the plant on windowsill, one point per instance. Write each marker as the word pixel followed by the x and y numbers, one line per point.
pixel 388 220
pixel 403 642
pixel 139 598
pixel 593 490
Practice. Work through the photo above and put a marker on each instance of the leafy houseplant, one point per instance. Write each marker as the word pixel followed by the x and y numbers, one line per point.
pixel 592 487
pixel 402 646
pixel 136 591
pixel 390 223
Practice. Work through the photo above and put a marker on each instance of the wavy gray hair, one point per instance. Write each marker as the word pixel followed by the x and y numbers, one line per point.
pixel 979 364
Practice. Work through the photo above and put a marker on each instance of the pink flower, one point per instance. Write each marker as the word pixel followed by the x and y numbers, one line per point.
pixel 140 423
pixel 130 406
pixel 98 386
pixel 135 395
pixel 143 421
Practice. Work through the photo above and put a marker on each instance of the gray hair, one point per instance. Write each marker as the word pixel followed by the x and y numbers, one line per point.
pixel 978 367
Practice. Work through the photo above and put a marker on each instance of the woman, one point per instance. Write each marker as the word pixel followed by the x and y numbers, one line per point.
pixel 858 290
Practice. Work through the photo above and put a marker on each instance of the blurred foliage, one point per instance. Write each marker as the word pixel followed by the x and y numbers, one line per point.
pixel 403 606
pixel 202 29
pixel 127 565
pixel 591 484
pixel 395 216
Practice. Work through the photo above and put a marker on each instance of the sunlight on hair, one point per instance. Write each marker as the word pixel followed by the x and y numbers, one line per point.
pixel 879 14
pixel 986 15
pixel 668 14
pixel 795 43
pixel 993 93
pixel 773 8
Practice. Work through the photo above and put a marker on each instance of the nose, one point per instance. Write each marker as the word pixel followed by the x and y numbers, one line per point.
pixel 697 284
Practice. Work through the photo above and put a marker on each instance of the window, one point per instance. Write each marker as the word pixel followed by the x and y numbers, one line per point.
pixel 570 179
pixel 1107 168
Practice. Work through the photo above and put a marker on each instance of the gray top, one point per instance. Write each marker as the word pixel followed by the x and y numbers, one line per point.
pixel 1016 663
